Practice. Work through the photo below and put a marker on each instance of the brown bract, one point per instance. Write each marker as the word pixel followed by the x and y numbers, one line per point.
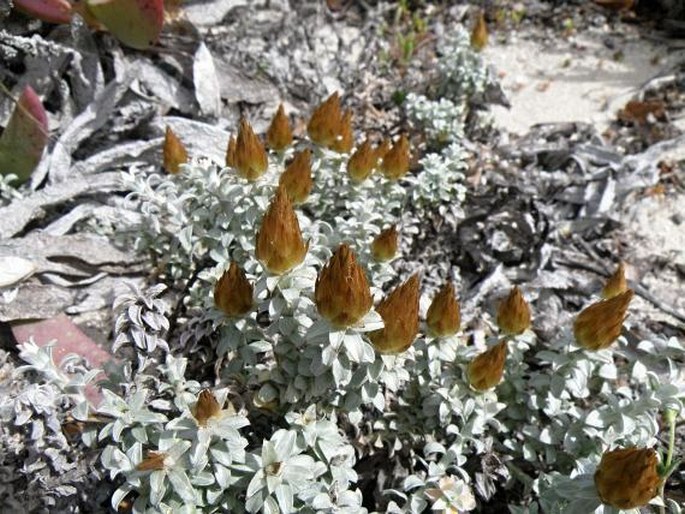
pixel 362 163
pixel 325 124
pixel 206 407
pixel 233 292
pixel 230 152
pixel 175 152
pixel 154 461
pixel 345 139
pixel 486 370
pixel 395 163
pixel 384 247
pixel 479 35
pixel 279 136
pixel 616 284
pixel 444 316
pixel 250 159
pixel 280 246
pixel 400 313
pixel 297 177
pixel 342 291
pixel 513 315
pixel 381 150
pixel 600 324
pixel 628 478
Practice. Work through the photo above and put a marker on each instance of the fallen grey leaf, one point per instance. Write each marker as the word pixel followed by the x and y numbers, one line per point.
pixel 37 301
pixel 152 82
pixel 121 156
pixel 15 216
pixel 236 87
pixel 206 83
pixel 14 269
pixel 200 138
pixel 211 12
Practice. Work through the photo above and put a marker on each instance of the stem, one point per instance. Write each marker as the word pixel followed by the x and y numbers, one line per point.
pixel 670 419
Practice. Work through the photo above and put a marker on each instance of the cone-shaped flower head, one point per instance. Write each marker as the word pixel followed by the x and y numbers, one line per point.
pixel 206 407
pixel 362 163
pixel 616 284
pixel 479 35
pixel 280 246
pixel 486 370
pixel 175 153
pixel 279 136
pixel 251 160
pixel 628 478
pixel 324 127
pixel 345 140
pixel 233 292
pixel 400 313
pixel 444 317
pixel 342 291
pixel 297 177
pixel 600 324
pixel 395 164
pixel 230 152
pixel 384 247
pixel 513 315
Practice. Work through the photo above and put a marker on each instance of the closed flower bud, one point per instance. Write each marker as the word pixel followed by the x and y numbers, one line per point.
pixel 324 126
pixel 175 153
pixel 206 407
pixel 628 478
pixel 279 135
pixel 230 152
pixel 616 284
pixel 400 313
pixel 280 246
pixel 443 317
pixel 486 370
pixel 251 160
pixel 479 35
pixel 513 315
pixel 233 292
pixel 384 247
pixel 342 291
pixel 362 163
pixel 395 163
pixel 600 324
pixel 297 177
pixel 154 461
pixel 345 140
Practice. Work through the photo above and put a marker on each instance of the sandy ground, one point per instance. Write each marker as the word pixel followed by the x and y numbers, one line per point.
pixel 585 77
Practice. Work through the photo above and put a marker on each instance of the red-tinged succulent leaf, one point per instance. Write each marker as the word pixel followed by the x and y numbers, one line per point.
pixel 136 23
pixel 25 136
pixel 52 11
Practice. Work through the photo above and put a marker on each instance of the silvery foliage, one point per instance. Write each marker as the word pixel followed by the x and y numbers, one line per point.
pixel 42 470
pixel 461 77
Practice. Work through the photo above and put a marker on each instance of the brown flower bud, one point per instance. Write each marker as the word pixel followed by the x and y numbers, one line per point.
pixel 297 177
pixel 280 246
pixel 628 478
pixel 600 324
pixel 342 291
pixel 206 407
pixel 345 140
pixel 513 315
pixel 362 163
pixel 251 160
pixel 175 153
pixel 230 153
pixel 395 163
pixel 479 35
pixel 400 313
pixel 486 370
pixel 324 126
pixel 154 461
pixel 279 135
pixel 233 292
pixel 384 247
pixel 443 317
pixel 616 284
